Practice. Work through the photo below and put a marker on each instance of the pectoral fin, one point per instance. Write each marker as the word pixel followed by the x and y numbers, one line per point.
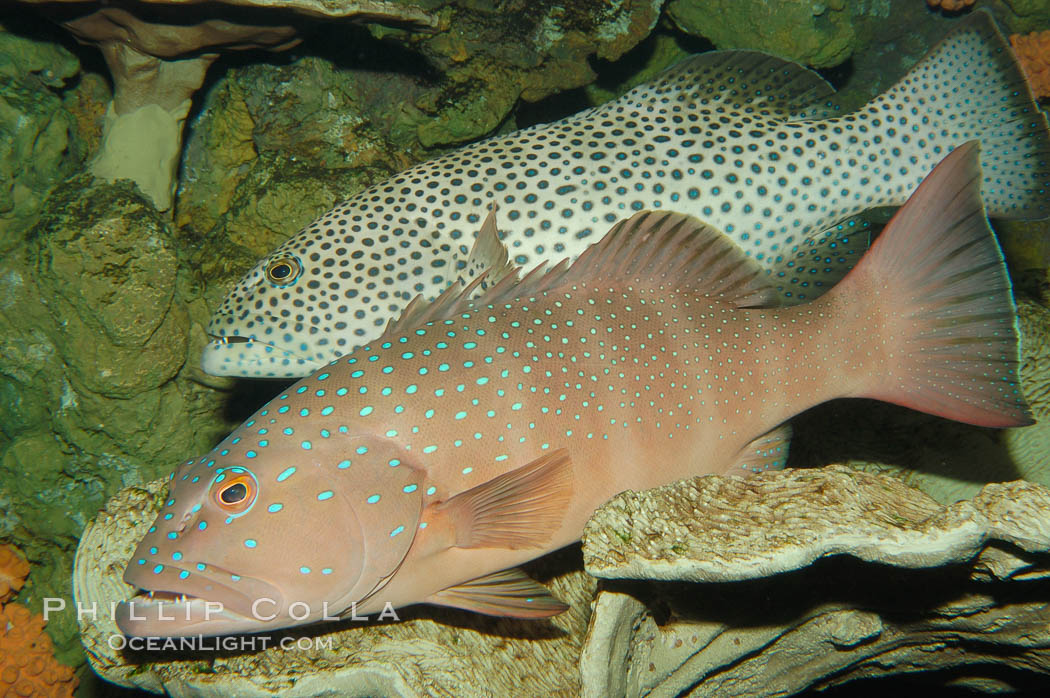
pixel 767 452
pixel 506 593
pixel 519 509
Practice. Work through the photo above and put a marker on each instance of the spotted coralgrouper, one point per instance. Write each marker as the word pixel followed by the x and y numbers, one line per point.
pixel 476 435
pixel 731 137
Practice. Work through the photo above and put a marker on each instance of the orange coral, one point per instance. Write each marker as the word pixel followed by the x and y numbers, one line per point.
pixel 13 572
pixel 950 5
pixel 1033 53
pixel 27 661
pixel 27 657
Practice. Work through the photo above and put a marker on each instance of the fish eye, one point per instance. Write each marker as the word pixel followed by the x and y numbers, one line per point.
pixel 233 494
pixel 235 490
pixel 283 271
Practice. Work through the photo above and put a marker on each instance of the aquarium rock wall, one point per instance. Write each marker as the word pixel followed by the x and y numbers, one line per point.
pixel 105 293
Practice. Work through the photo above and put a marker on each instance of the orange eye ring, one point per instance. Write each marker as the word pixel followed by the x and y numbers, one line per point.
pixel 235 491
pixel 283 271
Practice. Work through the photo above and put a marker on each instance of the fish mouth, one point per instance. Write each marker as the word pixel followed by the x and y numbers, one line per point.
pixel 230 339
pixel 168 614
pixel 204 605
pixel 237 355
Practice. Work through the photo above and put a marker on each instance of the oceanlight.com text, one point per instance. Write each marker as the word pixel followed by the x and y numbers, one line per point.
pixel 227 643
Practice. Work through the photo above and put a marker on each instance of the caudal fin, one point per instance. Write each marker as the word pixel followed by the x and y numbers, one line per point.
pixel 945 309
pixel 969 87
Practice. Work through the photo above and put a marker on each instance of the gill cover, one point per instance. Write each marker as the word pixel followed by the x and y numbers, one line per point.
pixel 385 493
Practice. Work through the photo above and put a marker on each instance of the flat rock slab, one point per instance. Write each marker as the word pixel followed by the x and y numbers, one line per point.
pixel 807 579
pixel 726 528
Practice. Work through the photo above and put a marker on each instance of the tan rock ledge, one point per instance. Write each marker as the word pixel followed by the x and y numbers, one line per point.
pixel 813 578
pixel 715 529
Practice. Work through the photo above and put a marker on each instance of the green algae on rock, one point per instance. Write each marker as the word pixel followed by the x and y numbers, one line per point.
pixel 818 34
pixel 1024 16
pixel 275 145
pixel 39 135
pixel 158 52
pixel 494 53
pixel 107 267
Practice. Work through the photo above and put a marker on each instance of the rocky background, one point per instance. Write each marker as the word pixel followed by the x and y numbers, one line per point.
pixel 104 300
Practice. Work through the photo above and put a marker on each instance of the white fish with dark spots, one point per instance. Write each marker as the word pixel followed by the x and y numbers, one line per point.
pixel 739 139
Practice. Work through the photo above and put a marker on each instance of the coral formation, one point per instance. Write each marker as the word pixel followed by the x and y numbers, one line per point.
pixel 158 60
pixel 27 662
pixel 1033 53
pixel 13 572
pixel 951 5
pixel 41 135
pixel 1030 447
pixel 802 620
pixel 434 652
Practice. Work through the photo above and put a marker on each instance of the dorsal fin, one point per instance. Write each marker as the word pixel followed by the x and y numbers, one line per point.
pixel 488 253
pixel 735 80
pixel 671 250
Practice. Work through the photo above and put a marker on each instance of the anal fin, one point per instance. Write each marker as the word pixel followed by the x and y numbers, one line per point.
pixel 522 508
pixel 768 452
pixel 506 593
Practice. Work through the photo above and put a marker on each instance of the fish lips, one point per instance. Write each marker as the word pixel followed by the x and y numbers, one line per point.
pixel 199 604
pixel 229 355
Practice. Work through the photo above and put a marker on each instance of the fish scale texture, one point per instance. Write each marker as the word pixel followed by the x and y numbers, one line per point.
pixel 729 137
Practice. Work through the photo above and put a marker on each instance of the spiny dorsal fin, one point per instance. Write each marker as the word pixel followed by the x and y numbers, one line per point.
pixel 489 256
pixel 734 80
pixel 673 250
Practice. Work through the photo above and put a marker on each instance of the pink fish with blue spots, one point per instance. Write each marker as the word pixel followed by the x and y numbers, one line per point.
pixel 476 435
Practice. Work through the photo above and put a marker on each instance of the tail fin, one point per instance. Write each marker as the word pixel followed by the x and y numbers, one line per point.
pixel 969 87
pixel 945 303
